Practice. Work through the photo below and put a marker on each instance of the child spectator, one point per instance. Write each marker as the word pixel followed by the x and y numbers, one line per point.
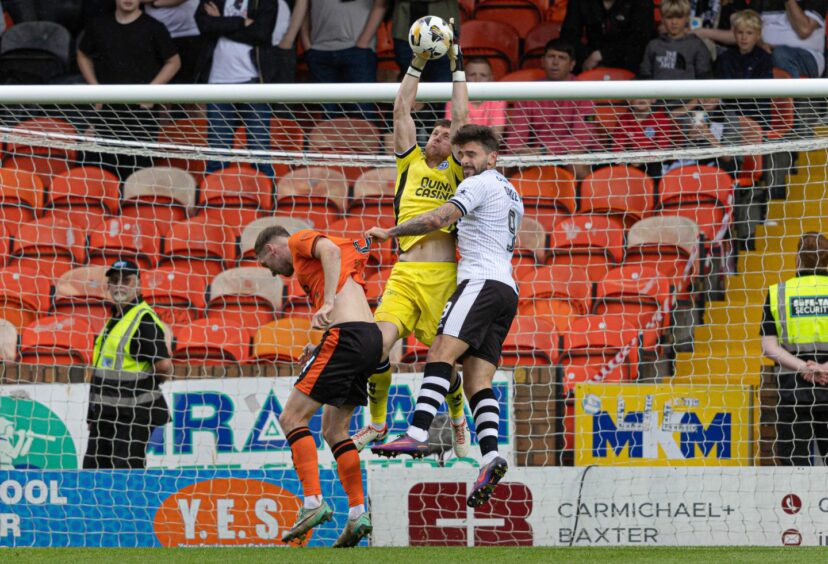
pixel 676 55
pixel 491 112
pixel 645 127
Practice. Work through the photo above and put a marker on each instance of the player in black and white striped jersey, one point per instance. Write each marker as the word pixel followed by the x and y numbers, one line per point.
pixel 477 317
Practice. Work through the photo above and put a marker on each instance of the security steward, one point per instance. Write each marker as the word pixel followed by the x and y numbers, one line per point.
pixel 795 336
pixel 130 360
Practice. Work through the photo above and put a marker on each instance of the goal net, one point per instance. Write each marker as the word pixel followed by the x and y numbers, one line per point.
pixel 637 406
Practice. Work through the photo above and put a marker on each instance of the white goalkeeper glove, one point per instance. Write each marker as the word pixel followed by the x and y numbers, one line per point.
pixel 417 66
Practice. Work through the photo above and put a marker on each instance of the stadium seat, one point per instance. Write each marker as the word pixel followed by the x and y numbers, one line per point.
pixel 622 191
pixel 525 75
pixel 8 341
pixel 40 158
pixel 670 244
pixel 235 196
pixel 251 231
pixel 532 341
pixel 701 193
pixel 165 195
pixel 534 45
pixel 128 238
pixel 176 294
pixel 83 292
pixel 22 197
pixel 523 15
pixel 548 193
pixel 413 351
pixel 592 242
pixel 751 168
pixel 555 293
pixel 781 119
pixel 199 245
pixel 318 193
pixel 497 42
pixel 24 295
pixel 248 296
pixel 344 136
pixel 284 340
pixel 208 343
pixel 49 246
pixel 185 133
pixel 285 135
pixel 58 339
pixel 556 11
pixel 36 52
pixel 354 227
pixel 530 248
pixel 466 9
pixel 83 195
pixel 374 192
pixel 386 58
pixel 295 302
pixel 606 73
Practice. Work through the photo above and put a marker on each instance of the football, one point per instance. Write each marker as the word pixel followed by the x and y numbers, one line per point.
pixel 430 37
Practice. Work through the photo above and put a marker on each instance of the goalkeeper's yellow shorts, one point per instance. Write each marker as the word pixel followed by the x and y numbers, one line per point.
pixel 415 295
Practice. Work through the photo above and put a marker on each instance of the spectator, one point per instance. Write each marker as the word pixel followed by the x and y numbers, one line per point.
pixel 616 32
pixel 131 359
pixel 795 34
pixel 721 31
pixel 279 60
pixel 676 55
pixel 648 127
pixel 178 16
pixel 491 112
pixel 554 126
pixel 234 32
pixel 342 39
pixel 793 334
pixel 127 47
pixel 405 13
pixel 708 125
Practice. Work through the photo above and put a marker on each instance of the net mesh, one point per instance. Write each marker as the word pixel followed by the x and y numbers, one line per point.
pixel 653 230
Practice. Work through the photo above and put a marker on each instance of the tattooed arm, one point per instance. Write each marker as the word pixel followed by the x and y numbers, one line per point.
pixel 443 216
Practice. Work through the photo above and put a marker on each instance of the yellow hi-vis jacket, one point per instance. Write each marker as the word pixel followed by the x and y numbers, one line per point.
pixel 800 310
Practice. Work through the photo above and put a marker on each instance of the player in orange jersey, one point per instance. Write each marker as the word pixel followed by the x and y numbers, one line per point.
pixel 335 373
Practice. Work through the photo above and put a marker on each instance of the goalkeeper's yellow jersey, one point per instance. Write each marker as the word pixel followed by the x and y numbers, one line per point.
pixel 421 188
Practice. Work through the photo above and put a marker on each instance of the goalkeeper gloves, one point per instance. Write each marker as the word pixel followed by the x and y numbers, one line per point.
pixel 456 57
pixel 417 66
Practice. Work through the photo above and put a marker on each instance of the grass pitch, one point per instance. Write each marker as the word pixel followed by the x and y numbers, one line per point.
pixel 435 555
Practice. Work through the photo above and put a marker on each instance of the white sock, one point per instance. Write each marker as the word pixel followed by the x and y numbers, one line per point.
pixel 489 456
pixel 355 511
pixel 313 501
pixel 378 426
pixel 417 434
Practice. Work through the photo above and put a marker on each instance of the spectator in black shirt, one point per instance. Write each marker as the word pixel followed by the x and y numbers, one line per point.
pixel 616 32
pixel 795 336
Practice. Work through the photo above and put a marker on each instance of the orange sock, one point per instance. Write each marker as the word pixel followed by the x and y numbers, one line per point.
pixel 350 472
pixel 305 460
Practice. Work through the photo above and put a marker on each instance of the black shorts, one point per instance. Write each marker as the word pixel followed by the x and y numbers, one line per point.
pixel 480 313
pixel 337 372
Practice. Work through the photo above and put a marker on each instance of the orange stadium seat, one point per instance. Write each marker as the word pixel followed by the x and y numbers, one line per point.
pixel 466 9
pixel 531 341
pixel 782 117
pixel 22 196
pixel 176 294
pixel 523 15
pixel 83 196
pixel 235 196
pixel 555 293
pixel 530 248
pixel 295 302
pixel 24 295
pixel 556 11
pixel 199 246
pixel 128 238
pixel 208 343
pixel 58 339
pixel 8 341
pixel 606 73
pixel 751 169
pixel 701 193
pixel 5 241
pixel 284 340
pixel 592 242
pixel 251 231
pixel 413 350
pixel 670 244
pixel 374 192
pixel 43 160
pixel 49 246
pixel 497 42
pixel 524 75
pixel 317 193
pixel 354 227
pixel 184 133
pixel 285 135
pixel 622 191
pixel 548 193
pixel 83 292
pixel 386 59
pixel 344 136
pixel 248 296
pixel 165 195
pixel 534 45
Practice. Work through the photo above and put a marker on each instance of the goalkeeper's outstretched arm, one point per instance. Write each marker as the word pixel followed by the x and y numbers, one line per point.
pixel 459 91
pixel 405 132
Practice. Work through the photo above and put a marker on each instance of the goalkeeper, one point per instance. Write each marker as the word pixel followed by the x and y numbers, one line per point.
pixel 426 273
